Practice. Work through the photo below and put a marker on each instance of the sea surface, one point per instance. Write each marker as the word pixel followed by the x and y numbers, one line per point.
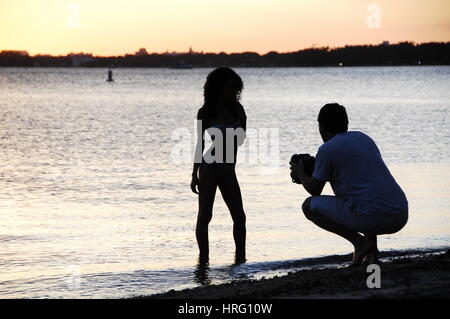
pixel 94 179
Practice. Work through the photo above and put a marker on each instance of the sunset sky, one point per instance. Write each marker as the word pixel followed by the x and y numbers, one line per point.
pixel 117 27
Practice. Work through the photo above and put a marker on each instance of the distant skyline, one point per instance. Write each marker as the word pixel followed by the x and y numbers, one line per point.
pixel 119 27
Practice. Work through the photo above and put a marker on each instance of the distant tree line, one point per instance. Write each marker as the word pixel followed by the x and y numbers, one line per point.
pixel 405 53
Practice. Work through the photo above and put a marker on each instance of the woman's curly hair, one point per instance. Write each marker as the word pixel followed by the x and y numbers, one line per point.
pixel 213 87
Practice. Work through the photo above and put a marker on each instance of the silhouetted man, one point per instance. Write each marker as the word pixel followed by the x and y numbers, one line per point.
pixel 368 199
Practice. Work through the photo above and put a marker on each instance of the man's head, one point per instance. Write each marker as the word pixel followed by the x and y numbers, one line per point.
pixel 332 120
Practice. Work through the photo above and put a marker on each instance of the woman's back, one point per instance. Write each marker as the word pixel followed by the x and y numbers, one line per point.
pixel 226 129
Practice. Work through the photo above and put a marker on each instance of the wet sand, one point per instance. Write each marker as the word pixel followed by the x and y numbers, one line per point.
pixel 404 274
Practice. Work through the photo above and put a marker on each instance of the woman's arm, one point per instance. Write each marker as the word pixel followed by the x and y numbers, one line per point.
pixel 243 123
pixel 242 117
pixel 198 152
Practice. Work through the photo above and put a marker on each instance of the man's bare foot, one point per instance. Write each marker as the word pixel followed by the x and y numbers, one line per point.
pixel 364 247
pixel 371 257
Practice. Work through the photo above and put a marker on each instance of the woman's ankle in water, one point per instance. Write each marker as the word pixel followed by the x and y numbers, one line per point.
pixel 239 257
pixel 203 258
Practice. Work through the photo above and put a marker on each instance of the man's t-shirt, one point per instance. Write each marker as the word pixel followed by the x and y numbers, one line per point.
pixel 352 163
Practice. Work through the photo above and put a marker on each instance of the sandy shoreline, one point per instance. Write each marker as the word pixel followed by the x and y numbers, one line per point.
pixel 405 274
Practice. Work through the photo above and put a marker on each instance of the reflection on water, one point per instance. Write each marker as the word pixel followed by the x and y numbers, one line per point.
pixel 202 274
pixel 88 189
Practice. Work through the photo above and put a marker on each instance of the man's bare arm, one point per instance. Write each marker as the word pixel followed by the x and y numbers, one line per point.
pixel 311 184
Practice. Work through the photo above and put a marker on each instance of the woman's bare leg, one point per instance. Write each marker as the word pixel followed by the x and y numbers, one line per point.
pixel 231 193
pixel 207 192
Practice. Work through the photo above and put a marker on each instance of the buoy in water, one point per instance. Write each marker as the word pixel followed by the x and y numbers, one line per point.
pixel 110 78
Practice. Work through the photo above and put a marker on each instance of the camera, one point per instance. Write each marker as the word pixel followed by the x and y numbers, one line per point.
pixel 308 164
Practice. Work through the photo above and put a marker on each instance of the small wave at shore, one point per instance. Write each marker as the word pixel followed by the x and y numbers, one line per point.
pixel 269 269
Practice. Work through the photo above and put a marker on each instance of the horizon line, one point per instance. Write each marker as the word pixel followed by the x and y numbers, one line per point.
pixel 386 42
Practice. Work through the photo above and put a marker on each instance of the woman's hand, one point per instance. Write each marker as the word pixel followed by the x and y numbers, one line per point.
pixel 194 184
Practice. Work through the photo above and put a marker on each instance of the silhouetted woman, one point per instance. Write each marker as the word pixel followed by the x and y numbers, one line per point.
pixel 223 117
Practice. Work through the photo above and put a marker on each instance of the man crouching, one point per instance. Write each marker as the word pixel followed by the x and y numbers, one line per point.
pixel 368 200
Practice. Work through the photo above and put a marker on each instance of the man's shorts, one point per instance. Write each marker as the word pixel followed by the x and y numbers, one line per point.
pixel 345 212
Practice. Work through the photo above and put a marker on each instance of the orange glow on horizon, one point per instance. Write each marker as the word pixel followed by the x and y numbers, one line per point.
pixel 118 27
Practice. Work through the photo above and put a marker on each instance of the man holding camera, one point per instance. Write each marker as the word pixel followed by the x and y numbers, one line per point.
pixel 368 200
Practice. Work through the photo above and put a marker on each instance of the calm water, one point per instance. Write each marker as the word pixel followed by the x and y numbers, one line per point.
pixel 92 203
